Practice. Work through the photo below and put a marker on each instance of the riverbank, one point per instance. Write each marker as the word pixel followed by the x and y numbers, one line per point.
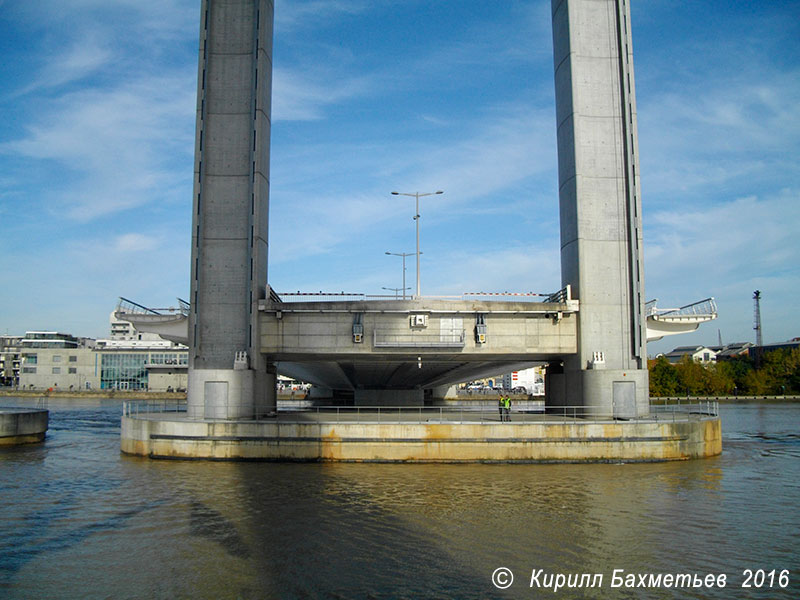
pixel 92 394
pixel 724 399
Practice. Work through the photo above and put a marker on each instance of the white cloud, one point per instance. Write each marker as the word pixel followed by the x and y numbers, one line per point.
pixel 83 58
pixel 729 131
pixel 292 14
pixel 135 242
pixel 119 143
pixel 304 97
pixel 743 238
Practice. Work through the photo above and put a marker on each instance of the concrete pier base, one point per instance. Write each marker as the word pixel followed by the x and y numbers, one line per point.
pixel 22 426
pixel 310 437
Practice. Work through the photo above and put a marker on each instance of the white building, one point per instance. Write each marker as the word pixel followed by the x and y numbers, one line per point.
pixel 701 354
pixel 10 359
pixel 531 379
pixel 128 360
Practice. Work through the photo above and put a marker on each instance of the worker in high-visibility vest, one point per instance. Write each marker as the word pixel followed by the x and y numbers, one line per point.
pixel 507 406
pixel 501 406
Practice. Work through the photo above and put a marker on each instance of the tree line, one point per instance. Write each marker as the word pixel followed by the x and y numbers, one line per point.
pixel 774 373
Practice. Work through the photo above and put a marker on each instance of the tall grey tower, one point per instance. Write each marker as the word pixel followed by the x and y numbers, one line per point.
pixel 228 377
pixel 598 171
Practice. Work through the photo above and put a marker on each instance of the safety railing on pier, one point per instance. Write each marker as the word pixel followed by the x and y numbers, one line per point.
pixel 678 412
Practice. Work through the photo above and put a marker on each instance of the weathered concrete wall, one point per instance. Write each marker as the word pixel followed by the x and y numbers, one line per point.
pixel 22 426
pixel 424 442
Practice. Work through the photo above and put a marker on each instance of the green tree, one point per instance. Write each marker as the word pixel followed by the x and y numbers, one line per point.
pixel 692 377
pixel 780 371
pixel 721 380
pixel 739 368
pixel 663 378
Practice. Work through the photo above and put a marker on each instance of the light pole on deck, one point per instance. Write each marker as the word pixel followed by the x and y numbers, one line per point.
pixel 403 256
pixel 417 195
pixel 396 291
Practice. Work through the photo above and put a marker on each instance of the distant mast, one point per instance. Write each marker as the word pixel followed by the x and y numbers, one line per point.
pixel 757 317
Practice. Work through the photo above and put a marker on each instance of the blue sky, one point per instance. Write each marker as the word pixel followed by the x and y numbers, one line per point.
pixel 372 96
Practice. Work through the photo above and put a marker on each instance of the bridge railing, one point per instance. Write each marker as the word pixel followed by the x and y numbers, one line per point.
pixel 702 308
pixel 560 296
pixel 125 306
pixel 678 412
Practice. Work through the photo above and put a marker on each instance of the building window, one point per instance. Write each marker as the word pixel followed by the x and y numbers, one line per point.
pixel 73 370
pixel 30 359
pixel 31 370
pixel 73 358
pixel 56 370
pixel 123 371
pixel 56 358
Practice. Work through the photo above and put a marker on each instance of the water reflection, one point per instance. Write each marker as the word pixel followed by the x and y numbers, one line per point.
pixel 81 520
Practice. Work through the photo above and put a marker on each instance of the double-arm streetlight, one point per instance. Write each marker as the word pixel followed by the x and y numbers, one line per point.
pixel 403 255
pixel 417 195
pixel 396 290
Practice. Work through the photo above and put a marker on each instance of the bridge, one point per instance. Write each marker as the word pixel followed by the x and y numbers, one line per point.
pixel 592 335
pixel 240 333
pixel 386 350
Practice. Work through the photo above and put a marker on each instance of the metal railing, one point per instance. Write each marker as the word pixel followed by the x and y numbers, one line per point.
pixel 560 296
pixel 680 412
pixel 125 306
pixel 135 408
pixel 701 308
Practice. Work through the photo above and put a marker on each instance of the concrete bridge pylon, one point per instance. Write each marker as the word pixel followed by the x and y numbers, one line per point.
pixel 228 376
pixel 600 208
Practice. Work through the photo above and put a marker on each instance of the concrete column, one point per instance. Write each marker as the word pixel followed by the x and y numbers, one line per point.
pixel 227 374
pixel 601 244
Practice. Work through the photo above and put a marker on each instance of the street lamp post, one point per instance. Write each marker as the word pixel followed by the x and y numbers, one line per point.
pixel 403 256
pixel 417 195
pixel 396 290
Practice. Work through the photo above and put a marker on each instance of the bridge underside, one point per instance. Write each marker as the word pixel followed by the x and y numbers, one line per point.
pixel 399 372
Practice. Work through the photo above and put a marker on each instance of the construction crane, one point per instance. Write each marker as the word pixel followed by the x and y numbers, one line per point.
pixel 757 317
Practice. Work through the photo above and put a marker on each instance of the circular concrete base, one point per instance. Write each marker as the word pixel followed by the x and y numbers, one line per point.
pixel 22 426
pixel 308 439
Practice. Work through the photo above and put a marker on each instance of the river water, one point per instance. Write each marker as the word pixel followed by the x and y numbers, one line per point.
pixel 80 520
